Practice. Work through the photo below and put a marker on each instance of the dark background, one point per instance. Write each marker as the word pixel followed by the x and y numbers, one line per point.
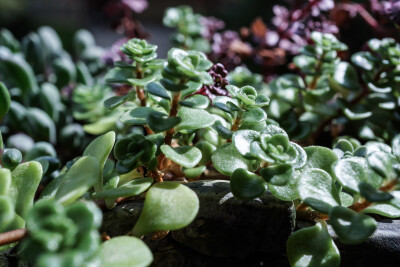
pixel 66 16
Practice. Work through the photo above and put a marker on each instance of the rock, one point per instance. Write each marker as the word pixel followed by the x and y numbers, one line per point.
pixel 227 227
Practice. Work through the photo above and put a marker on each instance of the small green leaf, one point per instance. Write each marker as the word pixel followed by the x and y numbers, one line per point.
pixel 361 60
pixel 131 188
pixel 321 158
pixel 227 159
pixel 372 194
pixel 187 156
pixel 357 116
pixel 254 115
pixel 7 213
pixel 317 189
pixel 301 159
pixel 277 174
pixel 157 89
pixel 377 89
pixel 5 181
pixel 350 226
pixel 100 149
pixel 196 101
pixel 381 163
pixel 246 185
pixel 24 183
pixel 193 173
pixel 206 149
pixel 137 116
pixel 101 126
pixel 346 76
pixel 115 101
pixel 83 174
pixel 312 247
pixel 160 122
pixel 171 86
pixel 118 75
pixel 11 158
pixel 390 209
pixel 243 139
pixel 142 82
pixel 193 119
pixel 396 146
pixel 125 251
pixel 5 100
pixel 168 206
pixel 351 171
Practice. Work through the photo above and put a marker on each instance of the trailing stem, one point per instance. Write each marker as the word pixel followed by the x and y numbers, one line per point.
pixel 170 133
pixel 12 236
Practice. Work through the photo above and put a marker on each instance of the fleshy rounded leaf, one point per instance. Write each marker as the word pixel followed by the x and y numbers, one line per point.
pixel 168 206
pixel 312 247
pixel 277 174
pixel 350 226
pixel 246 185
pixel 317 189
pixel 125 251
pixel 227 159
pixel 187 156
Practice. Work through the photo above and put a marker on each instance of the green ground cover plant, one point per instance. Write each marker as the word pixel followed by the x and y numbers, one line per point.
pixel 78 137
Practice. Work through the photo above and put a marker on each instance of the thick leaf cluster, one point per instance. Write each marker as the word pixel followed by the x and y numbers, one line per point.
pixel 61 236
pixel 189 28
pixel 184 66
pixel 133 151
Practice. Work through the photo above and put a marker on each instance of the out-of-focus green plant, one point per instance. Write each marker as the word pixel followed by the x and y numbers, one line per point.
pixel 188 28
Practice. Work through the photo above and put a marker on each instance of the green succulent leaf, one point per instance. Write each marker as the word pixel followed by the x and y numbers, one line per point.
pixel 131 188
pixel 351 171
pixel 193 173
pixel 100 148
pixel 372 194
pixel 246 185
pixel 125 251
pixel 312 247
pixel 357 116
pixel 101 126
pixel 396 146
pixel 137 116
pixel 142 82
pixel 317 189
pixel 11 158
pixel 346 76
pixel 350 226
pixel 168 206
pixel 243 140
pixel 301 159
pixel 118 75
pixel 5 100
pixel 196 101
pixel 254 115
pixel 7 213
pixel 116 101
pixel 157 89
pixel 381 163
pixel 83 174
pixel 187 156
pixel 24 183
pixel 278 175
pixel 390 209
pixel 321 158
pixel 160 122
pixel 192 119
pixel 207 150
pixel 227 159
